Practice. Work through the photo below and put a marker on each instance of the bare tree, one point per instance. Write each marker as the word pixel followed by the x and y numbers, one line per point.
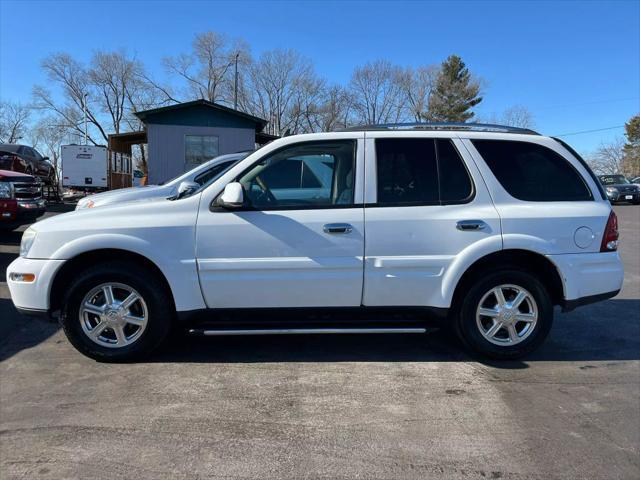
pixel 282 88
pixel 208 67
pixel 335 110
pixel 78 92
pixel 517 116
pixel 14 118
pixel 307 104
pixel 114 77
pixel 111 88
pixel 416 86
pixel 376 94
pixel 49 135
pixel 608 159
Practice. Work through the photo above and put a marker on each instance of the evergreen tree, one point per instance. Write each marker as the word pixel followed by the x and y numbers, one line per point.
pixel 455 93
pixel 631 162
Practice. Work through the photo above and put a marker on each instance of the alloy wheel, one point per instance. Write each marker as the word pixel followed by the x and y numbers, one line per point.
pixel 113 315
pixel 507 315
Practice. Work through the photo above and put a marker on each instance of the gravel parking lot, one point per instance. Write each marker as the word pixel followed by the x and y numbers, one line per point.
pixel 387 406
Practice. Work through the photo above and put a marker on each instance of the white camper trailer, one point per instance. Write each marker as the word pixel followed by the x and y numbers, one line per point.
pixel 84 166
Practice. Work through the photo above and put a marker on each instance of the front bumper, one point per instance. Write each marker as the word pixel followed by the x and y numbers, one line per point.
pixel 589 277
pixel 32 296
pixel 627 197
pixel 14 213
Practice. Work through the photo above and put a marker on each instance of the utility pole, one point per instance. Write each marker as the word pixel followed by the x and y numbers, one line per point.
pixel 235 88
pixel 84 107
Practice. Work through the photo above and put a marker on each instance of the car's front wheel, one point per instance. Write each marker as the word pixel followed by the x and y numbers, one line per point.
pixel 505 314
pixel 116 312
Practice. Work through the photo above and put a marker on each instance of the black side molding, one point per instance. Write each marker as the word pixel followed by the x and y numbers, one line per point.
pixel 569 305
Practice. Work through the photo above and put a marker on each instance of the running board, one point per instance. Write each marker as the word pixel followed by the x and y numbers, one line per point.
pixel 304 331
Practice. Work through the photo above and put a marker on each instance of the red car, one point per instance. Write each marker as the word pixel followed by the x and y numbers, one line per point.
pixel 21 199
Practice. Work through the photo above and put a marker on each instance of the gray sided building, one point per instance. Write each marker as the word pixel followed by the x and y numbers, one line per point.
pixel 180 137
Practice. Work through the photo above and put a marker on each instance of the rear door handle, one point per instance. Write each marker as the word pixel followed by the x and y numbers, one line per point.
pixel 468 225
pixel 337 228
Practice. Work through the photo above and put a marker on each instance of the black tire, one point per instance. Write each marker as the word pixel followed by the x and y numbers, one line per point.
pixel 161 311
pixel 468 331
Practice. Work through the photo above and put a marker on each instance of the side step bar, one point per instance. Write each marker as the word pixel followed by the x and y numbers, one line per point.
pixel 304 331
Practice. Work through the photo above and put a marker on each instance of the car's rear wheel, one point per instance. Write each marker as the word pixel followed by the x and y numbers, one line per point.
pixel 505 314
pixel 117 312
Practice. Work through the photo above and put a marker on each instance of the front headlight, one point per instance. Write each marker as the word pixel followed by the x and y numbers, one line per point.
pixel 6 190
pixel 28 237
pixel 612 190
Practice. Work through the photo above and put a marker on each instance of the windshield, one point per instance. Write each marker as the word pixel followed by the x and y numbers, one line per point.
pixel 613 179
pixel 204 167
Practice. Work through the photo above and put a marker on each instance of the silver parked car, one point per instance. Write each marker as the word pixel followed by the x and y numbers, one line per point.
pixel 198 175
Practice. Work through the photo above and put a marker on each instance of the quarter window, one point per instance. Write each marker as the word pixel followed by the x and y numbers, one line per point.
pixel 455 183
pixel 314 174
pixel 200 148
pixel 420 171
pixel 532 172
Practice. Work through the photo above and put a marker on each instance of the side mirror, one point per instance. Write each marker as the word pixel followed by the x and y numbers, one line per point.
pixel 187 188
pixel 232 197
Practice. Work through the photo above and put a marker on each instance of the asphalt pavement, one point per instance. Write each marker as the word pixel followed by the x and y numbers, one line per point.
pixel 374 407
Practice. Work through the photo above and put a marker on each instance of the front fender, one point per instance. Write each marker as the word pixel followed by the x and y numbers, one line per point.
pixel 178 267
pixel 100 241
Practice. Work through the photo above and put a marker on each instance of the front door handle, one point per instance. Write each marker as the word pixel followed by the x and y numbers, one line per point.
pixel 469 225
pixel 337 228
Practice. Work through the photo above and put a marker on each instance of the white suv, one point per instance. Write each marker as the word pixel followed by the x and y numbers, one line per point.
pixel 378 229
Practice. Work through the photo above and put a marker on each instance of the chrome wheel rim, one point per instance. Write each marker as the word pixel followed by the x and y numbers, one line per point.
pixel 507 315
pixel 113 315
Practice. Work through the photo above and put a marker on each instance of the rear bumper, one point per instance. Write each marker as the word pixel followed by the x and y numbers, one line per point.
pixel 589 277
pixel 569 305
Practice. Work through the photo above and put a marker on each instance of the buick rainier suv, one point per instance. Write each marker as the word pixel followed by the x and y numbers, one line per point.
pixel 387 228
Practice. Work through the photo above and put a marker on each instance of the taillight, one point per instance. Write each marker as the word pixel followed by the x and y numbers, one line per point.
pixel 610 237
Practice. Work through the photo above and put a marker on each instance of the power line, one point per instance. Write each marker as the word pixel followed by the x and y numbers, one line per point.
pixel 589 131
pixel 592 102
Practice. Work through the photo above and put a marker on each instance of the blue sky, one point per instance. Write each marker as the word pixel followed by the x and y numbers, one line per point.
pixel 575 65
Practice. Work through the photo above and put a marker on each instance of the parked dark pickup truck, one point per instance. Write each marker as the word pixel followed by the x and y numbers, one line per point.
pixel 21 199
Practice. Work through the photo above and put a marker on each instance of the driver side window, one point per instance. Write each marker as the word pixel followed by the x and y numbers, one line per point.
pixel 313 174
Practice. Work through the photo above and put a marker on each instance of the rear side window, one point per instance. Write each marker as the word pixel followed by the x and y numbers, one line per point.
pixel 532 172
pixel 420 171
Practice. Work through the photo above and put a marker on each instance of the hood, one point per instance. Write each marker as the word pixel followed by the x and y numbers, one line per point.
pixel 117 213
pixel 123 195
pixel 10 176
pixel 115 226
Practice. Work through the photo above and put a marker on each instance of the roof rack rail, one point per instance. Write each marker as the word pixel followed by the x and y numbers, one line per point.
pixel 470 127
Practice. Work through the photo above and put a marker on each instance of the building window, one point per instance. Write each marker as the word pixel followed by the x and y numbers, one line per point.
pixel 200 148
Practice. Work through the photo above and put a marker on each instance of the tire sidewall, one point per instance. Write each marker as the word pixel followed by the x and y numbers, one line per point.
pixel 152 291
pixel 469 332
